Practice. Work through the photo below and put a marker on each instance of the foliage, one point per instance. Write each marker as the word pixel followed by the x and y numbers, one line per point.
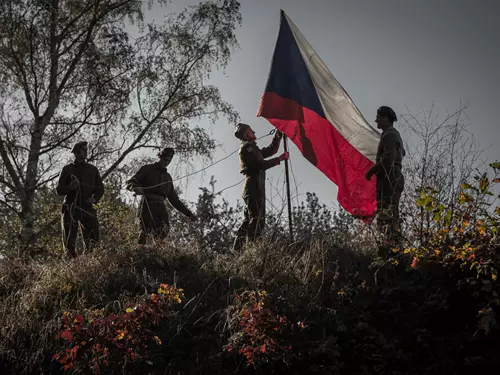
pixel 258 330
pixel 325 304
pixel 94 342
pixel 464 235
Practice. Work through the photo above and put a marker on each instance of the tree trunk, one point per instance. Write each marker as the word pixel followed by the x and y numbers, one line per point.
pixel 28 196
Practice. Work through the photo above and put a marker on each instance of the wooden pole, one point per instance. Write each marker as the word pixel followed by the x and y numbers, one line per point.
pixel 288 190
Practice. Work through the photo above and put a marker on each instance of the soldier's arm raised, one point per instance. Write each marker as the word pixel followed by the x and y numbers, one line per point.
pixel 254 160
pixel 273 147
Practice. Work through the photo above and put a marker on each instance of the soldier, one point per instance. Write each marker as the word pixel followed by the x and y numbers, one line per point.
pixel 154 183
pixel 387 168
pixel 253 166
pixel 81 185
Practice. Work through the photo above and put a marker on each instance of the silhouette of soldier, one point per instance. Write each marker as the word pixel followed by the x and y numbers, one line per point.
pixel 387 168
pixel 81 185
pixel 253 165
pixel 154 183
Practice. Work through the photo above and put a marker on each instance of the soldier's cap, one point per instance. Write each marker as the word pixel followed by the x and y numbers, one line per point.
pixel 240 130
pixel 387 111
pixel 78 145
pixel 166 152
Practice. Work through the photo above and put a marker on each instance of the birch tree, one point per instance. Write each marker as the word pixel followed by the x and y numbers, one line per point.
pixel 96 70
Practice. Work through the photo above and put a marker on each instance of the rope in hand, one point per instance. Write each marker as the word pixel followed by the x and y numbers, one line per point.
pixel 208 166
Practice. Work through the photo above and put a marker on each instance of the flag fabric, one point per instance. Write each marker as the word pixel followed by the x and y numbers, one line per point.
pixel 305 101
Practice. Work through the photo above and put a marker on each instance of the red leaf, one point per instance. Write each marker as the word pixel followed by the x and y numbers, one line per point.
pixel 79 319
pixel 68 366
pixel 65 335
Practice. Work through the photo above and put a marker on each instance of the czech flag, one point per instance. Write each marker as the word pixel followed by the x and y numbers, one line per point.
pixel 305 101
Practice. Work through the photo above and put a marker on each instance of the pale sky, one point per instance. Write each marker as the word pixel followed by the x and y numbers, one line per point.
pixel 400 53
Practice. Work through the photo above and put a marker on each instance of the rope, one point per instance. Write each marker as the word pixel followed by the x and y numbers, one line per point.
pixel 208 166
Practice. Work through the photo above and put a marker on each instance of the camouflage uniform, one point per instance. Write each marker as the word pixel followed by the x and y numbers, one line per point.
pixel 157 185
pixel 76 209
pixel 390 180
pixel 253 166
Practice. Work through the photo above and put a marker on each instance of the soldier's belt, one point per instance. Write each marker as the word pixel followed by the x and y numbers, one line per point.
pixel 154 197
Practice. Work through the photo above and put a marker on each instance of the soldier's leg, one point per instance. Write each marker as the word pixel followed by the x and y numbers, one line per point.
pixel 394 225
pixel 69 224
pixel 380 189
pixel 146 221
pixel 241 234
pixel 261 217
pixel 384 194
pixel 255 218
pixel 161 221
pixel 90 228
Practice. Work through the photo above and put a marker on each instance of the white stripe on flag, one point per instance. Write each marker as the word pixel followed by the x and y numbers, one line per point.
pixel 339 108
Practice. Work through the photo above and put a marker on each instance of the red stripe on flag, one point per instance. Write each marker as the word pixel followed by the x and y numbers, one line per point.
pixel 327 150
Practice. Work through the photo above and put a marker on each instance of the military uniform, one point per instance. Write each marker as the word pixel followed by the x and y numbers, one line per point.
pixel 157 185
pixel 390 180
pixel 253 165
pixel 76 208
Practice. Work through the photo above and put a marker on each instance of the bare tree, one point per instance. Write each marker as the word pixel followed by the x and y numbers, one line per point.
pixel 444 156
pixel 71 69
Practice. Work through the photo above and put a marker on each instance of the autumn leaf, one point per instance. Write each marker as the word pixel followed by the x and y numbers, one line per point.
pixel 65 335
pixel 414 263
pixel 157 339
pixel 129 310
pixel 68 366
pixel 120 335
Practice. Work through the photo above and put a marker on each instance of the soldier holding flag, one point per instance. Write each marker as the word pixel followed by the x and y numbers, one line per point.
pixel 253 165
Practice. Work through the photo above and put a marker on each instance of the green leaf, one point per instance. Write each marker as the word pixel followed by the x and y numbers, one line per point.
pixel 484 184
pixel 464 198
pixel 447 218
pixel 466 186
pixel 495 165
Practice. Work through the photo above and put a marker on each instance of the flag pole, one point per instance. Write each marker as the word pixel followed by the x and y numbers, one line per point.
pixel 285 144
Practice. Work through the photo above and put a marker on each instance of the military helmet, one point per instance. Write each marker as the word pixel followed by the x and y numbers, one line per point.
pixel 240 130
pixel 166 152
pixel 76 147
pixel 387 111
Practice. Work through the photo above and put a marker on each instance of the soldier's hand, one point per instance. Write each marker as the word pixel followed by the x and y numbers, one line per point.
pixel 284 156
pixel 369 175
pixel 74 184
pixel 278 134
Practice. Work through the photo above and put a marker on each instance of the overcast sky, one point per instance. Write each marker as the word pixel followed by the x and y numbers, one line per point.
pixel 401 53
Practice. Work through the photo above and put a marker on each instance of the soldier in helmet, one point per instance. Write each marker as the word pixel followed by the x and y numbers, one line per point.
pixel 253 165
pixel 81 185
pixel 154 183
pixel 387 168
